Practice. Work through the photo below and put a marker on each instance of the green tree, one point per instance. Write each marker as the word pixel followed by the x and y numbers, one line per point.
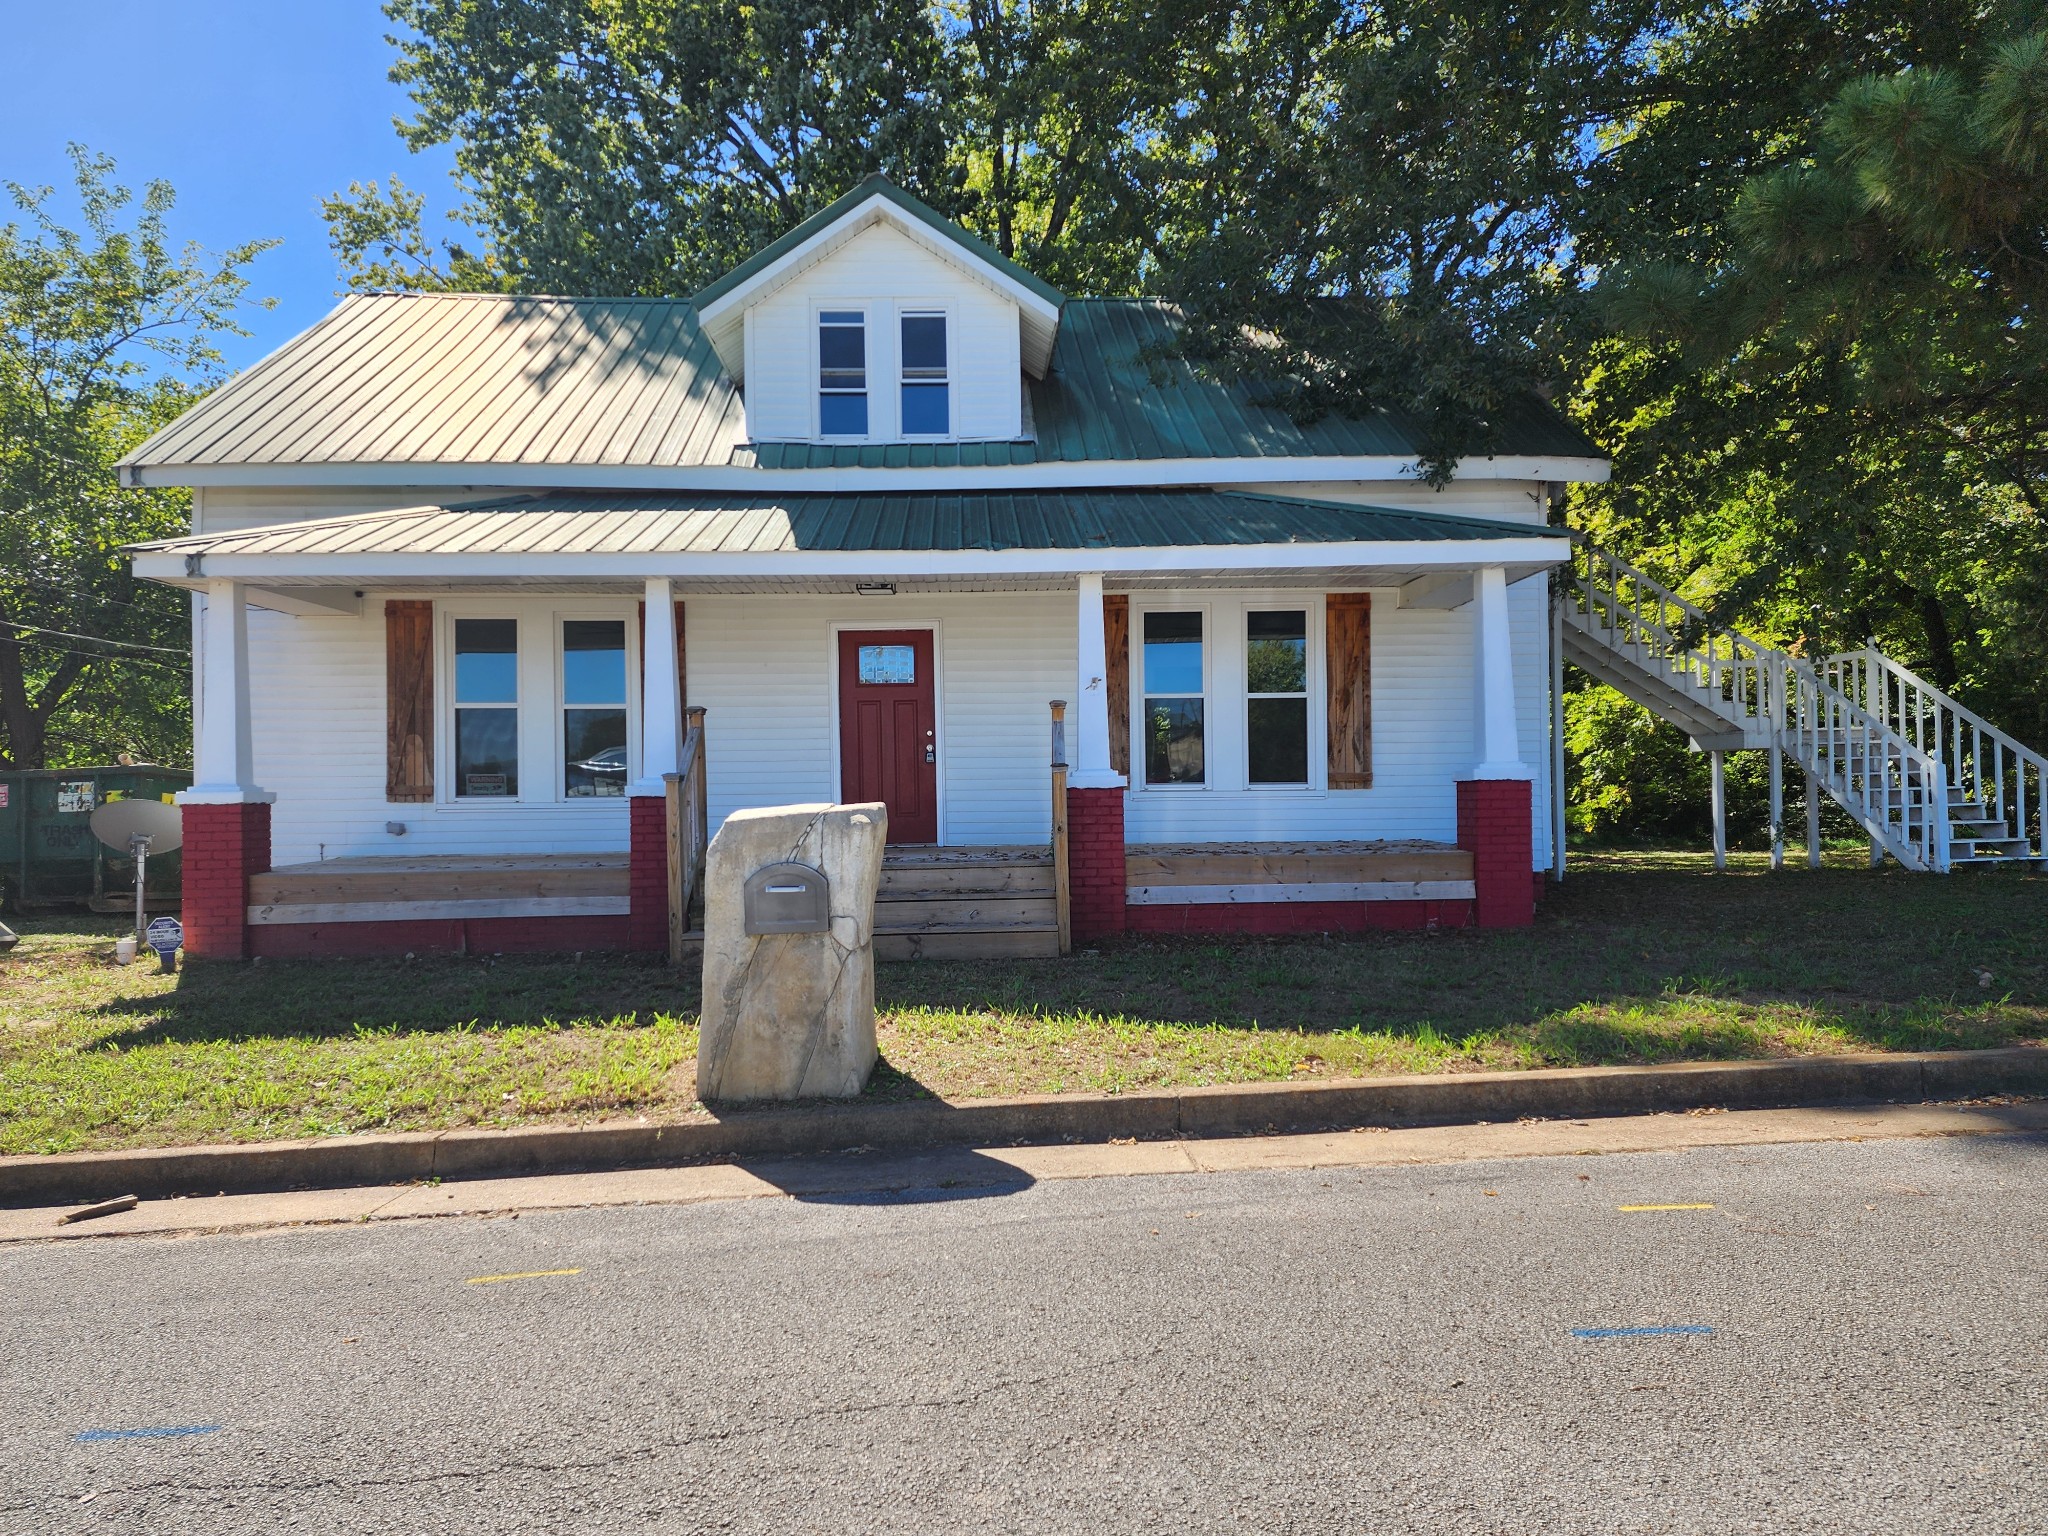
pixel 106 333
pixel 1836 426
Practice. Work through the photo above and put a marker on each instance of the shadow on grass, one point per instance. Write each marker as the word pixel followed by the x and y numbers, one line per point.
pixel 312 999
pixel 1637 957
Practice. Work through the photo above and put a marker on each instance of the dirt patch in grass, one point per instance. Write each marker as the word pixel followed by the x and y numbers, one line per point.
pixel 1638 958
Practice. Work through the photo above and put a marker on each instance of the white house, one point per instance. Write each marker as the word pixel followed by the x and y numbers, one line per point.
pixel 467 566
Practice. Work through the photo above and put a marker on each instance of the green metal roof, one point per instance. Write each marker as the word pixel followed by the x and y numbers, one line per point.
pixel 876 186
pixel 682 522
pixel 1115 391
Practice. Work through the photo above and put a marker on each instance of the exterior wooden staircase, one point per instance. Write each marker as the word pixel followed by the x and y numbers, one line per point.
pixel 1934 785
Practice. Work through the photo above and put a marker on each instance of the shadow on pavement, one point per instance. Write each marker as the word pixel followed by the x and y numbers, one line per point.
pixel 875 1178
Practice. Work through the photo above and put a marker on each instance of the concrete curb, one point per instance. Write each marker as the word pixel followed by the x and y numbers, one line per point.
pixel 1569 1093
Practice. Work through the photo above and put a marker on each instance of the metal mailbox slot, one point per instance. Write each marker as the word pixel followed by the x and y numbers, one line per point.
pixel 787 898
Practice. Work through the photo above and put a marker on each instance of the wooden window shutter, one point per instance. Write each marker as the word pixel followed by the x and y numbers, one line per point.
pixel 408 700
pixel 1116 648
pixel 1349 662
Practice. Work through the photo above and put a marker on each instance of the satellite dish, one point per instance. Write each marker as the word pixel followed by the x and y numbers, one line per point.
pixel 119 820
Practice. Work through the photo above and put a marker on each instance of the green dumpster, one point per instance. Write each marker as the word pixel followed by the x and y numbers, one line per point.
pixel 48 855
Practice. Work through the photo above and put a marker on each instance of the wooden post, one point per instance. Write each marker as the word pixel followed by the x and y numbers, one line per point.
pixel 1777 805
pixel 1062 898
pixel 1813 821
pixel 1720 810
pixel 678 886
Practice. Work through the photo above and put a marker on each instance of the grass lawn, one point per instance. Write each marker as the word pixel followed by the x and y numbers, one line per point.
pixel 1641 957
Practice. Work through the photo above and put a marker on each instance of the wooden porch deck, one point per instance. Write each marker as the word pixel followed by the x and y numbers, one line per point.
pixel 1187 874
pixel 933 903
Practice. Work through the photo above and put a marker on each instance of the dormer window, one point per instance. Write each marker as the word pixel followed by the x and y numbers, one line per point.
pixel 927 408
pixel 842 373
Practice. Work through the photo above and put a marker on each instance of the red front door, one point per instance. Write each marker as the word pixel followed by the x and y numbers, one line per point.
pixel 888 723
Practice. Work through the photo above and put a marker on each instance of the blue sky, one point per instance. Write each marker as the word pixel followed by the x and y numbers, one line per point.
pixel 252 109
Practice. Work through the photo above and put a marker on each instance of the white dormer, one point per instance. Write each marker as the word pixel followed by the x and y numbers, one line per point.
pixel 876 321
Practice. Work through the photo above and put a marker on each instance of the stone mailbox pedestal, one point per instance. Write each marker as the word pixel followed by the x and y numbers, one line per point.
pixel 789 979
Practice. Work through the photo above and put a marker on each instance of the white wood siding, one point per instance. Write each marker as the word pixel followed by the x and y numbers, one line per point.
pixel 763 668
pixel 1508 500
pixel 316 691
pixel 225 509
pixel 882 270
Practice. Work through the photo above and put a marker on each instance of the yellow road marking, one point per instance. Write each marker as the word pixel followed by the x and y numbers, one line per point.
pixel 1705 1207
pixel 528 1274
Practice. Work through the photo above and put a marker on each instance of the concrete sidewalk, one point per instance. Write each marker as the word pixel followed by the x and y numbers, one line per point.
pixel 936 1174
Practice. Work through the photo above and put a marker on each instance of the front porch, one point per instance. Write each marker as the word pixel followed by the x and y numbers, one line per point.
pixel 933 903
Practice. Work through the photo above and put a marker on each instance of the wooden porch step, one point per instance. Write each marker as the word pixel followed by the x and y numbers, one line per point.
pixel 957 903
pixel 968 914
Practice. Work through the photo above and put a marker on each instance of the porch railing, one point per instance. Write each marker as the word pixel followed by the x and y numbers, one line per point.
pixel 689 834
pixel 1062 895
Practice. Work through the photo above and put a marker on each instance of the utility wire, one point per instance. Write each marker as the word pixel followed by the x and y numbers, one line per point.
pixel 137 661
pixel 67 634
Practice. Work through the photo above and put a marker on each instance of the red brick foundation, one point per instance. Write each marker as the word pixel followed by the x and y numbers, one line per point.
pixel 1494 827
pixel 647 880
pixel 1095 861
pixel 1300 917
pixel 224 845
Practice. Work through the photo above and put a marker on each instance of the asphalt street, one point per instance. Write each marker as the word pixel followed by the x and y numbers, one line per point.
pixel 1451 1348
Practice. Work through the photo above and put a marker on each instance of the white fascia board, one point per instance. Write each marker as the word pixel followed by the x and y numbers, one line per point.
pixel 875 208
pixel 177 567
pixel 731 479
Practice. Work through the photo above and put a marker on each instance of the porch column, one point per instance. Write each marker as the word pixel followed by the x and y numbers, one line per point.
pixel 1500 753
pixel 1095 791
pixel 226 817
pixel 1091 715
pixel 1495 816
pixel 661 704
pixel 661 752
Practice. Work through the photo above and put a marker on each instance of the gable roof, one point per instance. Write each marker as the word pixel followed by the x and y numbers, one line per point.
pixel 483 384
pixel 472 378
pixel 721 306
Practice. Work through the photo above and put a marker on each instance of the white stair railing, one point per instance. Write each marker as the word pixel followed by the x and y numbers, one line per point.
pixel 1996 778
pixel 1895 791
pixel 1641 619
pixel 1887 746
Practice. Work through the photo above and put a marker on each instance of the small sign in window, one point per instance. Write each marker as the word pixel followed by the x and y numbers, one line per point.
pixel 888 664
pixel 74 795
pixel 484 783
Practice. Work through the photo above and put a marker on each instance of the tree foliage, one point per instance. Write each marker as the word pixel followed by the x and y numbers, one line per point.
pixel 106 333
pixel 1781 257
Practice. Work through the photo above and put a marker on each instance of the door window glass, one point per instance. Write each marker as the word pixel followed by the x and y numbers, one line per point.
pixel 486 708
pixel 888 664
pixel 1173 708
pixel 593 707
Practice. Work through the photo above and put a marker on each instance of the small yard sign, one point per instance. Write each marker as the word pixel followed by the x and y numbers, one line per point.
pixel 165 935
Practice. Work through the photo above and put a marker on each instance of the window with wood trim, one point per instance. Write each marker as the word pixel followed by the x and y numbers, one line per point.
pixel 1276 696
pixel 408 700
pixel 1176 702
pixel 1349 665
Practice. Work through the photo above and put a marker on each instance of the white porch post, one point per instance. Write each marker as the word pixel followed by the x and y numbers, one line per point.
pixel 661 705
pixel 1091 712
pixel 222 771
pixel 1500 754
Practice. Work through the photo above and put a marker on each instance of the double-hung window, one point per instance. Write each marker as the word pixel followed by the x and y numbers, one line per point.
pixel 926 404
pixel 842 373
pixel 486 708
pixel 1173 698
pixel 1276 695
pixel 593 707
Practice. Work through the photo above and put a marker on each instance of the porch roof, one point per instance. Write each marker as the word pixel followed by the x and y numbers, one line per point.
pixel 593 536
